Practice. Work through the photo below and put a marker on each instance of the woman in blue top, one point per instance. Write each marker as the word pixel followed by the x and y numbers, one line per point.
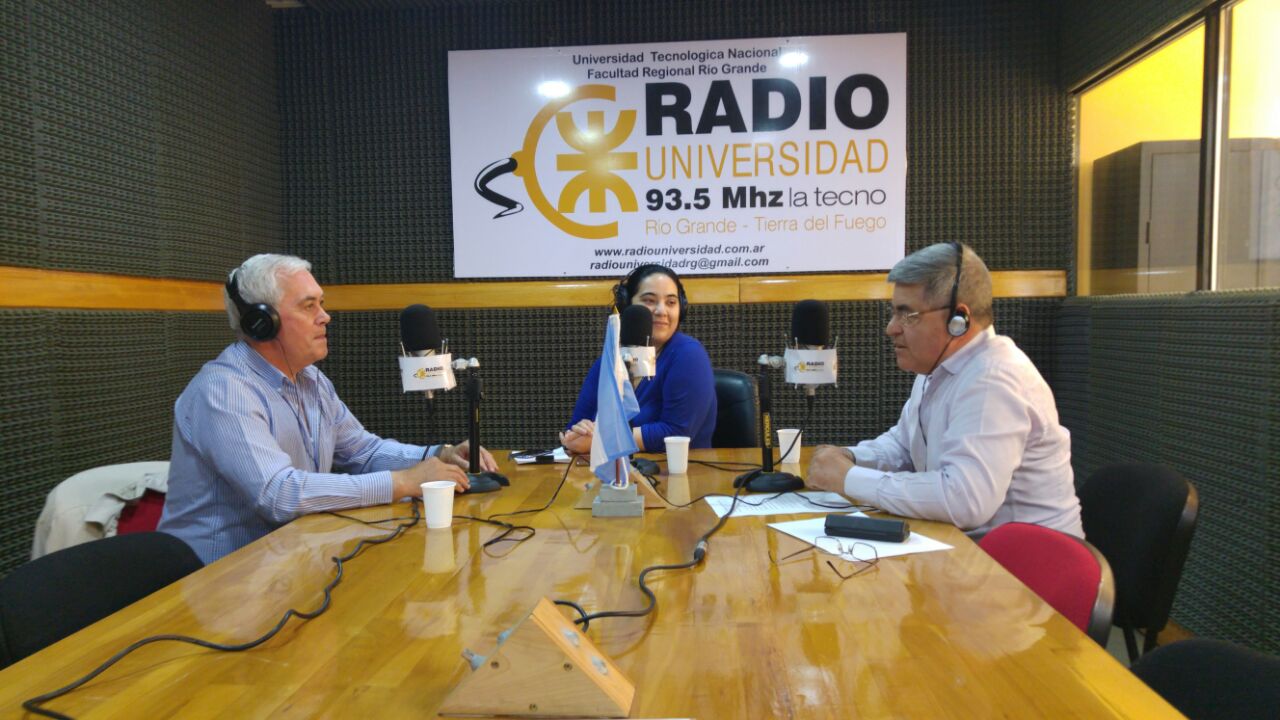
pixel 680 398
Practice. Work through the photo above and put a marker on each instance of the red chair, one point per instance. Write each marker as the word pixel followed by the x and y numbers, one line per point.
pixel 1066 572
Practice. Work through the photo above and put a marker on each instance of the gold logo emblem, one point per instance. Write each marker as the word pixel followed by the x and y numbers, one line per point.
pixel 594 163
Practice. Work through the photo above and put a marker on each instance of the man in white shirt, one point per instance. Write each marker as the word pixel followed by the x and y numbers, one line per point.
pixel 978 443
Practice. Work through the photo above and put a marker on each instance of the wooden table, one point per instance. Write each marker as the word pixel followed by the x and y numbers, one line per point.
pixel 944 634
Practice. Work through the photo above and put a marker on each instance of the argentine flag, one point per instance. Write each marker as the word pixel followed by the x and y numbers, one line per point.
pixel 615 406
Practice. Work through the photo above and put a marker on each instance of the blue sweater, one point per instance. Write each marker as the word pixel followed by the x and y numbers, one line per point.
pixel 680 398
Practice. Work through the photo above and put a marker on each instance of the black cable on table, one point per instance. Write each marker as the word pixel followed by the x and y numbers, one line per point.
pixel 699 553
pixel 34 705
pixel 554 495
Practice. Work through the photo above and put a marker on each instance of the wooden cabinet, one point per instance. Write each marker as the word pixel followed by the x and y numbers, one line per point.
pixel 1144 223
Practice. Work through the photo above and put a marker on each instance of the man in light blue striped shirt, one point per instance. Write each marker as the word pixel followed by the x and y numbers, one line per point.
pixel 260 437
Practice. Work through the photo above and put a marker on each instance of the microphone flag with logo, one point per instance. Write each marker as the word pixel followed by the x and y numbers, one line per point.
pixel 615 406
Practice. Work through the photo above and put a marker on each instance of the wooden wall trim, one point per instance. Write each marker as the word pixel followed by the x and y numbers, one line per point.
pixel 511 294
pixel 34 288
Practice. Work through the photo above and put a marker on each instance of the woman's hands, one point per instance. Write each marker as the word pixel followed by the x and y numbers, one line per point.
pixel 577 439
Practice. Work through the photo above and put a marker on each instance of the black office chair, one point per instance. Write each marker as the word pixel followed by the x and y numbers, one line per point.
pixel 737 410
pixel 1212 679
pixel 1141 516
pixel 51 597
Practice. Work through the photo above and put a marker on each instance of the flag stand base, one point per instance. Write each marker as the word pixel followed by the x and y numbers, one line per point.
pixel 653 500
pixel 617 502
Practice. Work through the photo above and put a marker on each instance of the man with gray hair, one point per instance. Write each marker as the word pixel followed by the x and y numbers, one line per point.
pixel 260 436
pixel 978 442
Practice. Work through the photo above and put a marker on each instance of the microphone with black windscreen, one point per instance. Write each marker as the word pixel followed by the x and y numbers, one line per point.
pixel 810 357
pixel 637 341
pixel 811 324
pixel 419 331
pixel 641 359
pixel 420 337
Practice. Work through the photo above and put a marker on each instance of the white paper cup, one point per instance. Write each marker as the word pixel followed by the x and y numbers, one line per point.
pixel 677 455
pixel 785 439
pixel 437 502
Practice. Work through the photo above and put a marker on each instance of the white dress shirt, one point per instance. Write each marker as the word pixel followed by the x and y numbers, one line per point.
pixel 985 450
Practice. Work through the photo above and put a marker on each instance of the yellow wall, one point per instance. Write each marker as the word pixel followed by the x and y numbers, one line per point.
pixel 1157 98
pixel 1255 57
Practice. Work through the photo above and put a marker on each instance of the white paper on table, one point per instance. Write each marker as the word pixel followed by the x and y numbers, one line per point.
pixel 811 529
pixel 559 456
pixel 788 504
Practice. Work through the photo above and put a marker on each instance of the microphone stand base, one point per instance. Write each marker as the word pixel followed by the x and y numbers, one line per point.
pixel 486 482
pixel 646 467
pixel 759 481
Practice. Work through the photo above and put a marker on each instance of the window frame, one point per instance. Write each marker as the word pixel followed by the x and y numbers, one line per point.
pixel 1215 17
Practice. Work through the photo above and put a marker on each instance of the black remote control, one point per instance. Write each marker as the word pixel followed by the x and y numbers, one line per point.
pixel 865 528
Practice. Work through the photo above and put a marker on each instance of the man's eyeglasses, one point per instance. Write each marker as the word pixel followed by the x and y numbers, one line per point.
pixel 904 317
pixel 859 557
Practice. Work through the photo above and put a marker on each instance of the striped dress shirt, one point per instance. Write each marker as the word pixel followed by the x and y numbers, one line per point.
pixel 252 451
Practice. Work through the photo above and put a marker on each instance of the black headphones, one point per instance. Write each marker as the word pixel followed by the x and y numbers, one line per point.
pixel 958 320
pixel 623 290
pixel 258 321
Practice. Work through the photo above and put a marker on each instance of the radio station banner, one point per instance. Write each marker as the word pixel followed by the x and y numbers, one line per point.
pixel 728 156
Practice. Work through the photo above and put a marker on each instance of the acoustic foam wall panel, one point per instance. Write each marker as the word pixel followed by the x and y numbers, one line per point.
pixel 139 138
pixel 364 116
pixel 1095 33
pixel 1190 381
pixel 19 203
pixel 84 389
pixel 31 441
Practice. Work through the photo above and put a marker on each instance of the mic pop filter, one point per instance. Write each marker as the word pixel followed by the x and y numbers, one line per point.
pixel 637 326
pixel 418 330
pixel 811 324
